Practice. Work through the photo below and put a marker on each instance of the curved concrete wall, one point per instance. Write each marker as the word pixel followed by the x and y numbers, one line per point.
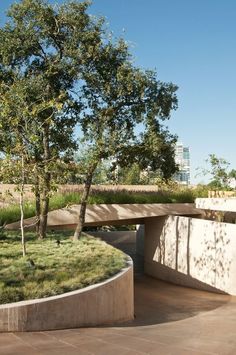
pixel 107 302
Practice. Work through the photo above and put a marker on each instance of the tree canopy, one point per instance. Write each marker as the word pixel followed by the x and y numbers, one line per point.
pixel 60 68
pixel 44 49
pixel 220 175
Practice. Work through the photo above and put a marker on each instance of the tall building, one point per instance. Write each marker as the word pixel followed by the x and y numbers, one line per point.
pixel 182 158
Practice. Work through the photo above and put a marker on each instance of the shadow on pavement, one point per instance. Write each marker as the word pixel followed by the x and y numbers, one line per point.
pixel 160 302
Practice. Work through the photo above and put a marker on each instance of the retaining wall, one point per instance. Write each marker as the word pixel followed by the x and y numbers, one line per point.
pixel 104 303
pixel 217 204
pixel 191 252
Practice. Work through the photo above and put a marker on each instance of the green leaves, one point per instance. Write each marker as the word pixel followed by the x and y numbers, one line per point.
pixel 118 96
pixel 218 170
pixel 59 68
pixel 44 49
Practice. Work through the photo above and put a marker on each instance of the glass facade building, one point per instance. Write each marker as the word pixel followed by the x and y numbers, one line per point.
pixel 182 158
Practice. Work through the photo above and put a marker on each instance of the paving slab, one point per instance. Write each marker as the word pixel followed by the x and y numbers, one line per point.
pixel 169 320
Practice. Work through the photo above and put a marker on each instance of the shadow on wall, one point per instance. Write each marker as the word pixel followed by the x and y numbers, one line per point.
pixel 191 252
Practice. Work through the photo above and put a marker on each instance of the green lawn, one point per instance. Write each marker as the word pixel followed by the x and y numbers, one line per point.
pixel 56 269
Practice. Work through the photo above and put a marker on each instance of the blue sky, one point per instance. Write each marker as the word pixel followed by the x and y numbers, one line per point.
pixel 193 44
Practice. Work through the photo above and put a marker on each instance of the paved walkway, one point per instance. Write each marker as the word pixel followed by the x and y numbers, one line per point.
pixel 169 320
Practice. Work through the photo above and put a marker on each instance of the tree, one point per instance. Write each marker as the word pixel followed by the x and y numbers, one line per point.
pixel 21 111
pixel 46 47
pixel 14 114
pixel 15 170
pixel 153 152
pixel 219 172
pixel 128 175
pixel 117 97
pixel 232 174
pixel 71 71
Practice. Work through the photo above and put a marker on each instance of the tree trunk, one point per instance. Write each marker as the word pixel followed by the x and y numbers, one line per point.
pixel 37 201
pixel 45 188
pixel 22 206
pixel 43 218
pixel 83 202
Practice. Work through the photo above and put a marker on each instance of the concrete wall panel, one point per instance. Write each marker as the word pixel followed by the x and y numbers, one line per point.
pixel 192 252
pixel 217 204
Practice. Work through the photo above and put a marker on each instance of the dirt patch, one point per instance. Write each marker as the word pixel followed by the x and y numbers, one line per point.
pixel 3 204
pixel 112 188
pixel 9 193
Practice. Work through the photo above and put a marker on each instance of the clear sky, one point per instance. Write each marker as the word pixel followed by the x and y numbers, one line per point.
pixel 191 43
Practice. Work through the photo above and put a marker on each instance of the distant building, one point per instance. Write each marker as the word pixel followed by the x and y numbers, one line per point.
pixel 182 159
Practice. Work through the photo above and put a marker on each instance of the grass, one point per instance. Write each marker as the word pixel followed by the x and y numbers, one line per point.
pixel 11 213
pixel 180 195
pixel 57 269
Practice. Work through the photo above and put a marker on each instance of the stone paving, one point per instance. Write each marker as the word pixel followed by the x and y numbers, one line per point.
pixel 168 320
